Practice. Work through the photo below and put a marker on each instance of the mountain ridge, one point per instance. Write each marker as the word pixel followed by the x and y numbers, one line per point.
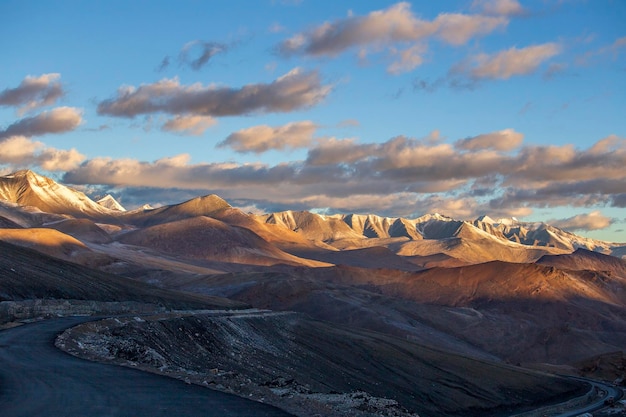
pixel 28 189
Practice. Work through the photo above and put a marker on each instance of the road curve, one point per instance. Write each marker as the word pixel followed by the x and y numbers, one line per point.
pixel 609 390
pixel 37 379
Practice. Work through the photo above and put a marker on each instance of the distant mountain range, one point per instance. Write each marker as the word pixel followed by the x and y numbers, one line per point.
pixel 32 200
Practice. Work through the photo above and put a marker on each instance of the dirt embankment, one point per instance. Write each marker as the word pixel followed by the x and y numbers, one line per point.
pixel 308 367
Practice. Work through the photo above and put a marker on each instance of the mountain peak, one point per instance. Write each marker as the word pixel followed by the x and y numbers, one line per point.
pixel 111 203
pixel 206 204
pixel 31 177
pixel 28 188
pixel 486 219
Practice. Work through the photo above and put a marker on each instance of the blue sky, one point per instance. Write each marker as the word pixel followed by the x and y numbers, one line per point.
pixel 505 107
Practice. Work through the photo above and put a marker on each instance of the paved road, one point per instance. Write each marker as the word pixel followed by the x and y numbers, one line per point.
pixel 37 379
pixel 610 391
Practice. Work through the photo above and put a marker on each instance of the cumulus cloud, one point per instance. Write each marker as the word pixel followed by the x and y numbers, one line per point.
pixel 189 125
pixel 58 120
pixel 33 92
pixel 505 64
pixel 504 140
pixel 587 222
pixel 20 151
pixel 383 28
pixel 259 139
pixel 197 53
pixel 498 7
pixel 295 90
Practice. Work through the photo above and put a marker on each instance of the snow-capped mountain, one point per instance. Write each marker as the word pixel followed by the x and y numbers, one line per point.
pixel 27 188
pixel 111 203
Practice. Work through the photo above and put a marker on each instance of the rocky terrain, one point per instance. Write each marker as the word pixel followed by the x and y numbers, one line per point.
pixel 305 366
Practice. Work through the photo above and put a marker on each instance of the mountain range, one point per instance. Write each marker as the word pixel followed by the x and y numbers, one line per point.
pixel 482 293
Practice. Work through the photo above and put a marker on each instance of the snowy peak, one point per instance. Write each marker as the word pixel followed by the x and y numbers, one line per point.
pixel 506 231
pixel 27 188
pixel 111 203
pixel 486 219
pixel 312 225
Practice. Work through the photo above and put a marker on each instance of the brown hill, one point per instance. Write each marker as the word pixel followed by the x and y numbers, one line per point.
pixel 517 312
pixel 28 274
pixel 54 243
pixel 210 239
pixel 283 238
pixel 474 246
pixel 369 257
pixel 469 286
pixel 82 229
pixel 583 259
pixel 27 216
pixel 8 224
pixel 207 205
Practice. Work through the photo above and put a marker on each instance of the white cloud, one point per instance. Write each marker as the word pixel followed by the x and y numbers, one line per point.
pixel 492 172
pixel 259 139
pixel 189 125
pixel 513 61
pixel 458 29
pixel 409 59
pixel 588 221
pixel 396 29
pixel 295 90
pixel 58 120
pixel 504 140
pixel 498 7
pixel 33 92
pixel 20 151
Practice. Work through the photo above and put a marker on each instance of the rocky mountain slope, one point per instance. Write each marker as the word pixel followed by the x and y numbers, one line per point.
pixel 288 358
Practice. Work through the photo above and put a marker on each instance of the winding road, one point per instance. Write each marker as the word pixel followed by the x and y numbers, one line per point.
pixel 609 391
pixel 37 379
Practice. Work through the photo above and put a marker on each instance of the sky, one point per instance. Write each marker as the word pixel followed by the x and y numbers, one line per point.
pixel 469 107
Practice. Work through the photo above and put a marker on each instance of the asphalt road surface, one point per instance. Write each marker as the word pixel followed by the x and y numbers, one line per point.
pixel 609 390
pixel 37 379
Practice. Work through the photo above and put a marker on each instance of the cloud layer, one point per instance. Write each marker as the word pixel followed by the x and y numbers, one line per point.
pixel 491 172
